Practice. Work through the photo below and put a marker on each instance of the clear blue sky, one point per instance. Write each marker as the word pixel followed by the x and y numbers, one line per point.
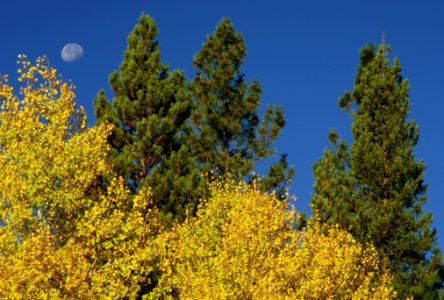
pixel 304 53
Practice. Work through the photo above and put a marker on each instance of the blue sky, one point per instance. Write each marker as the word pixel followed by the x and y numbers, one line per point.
pixel 304 53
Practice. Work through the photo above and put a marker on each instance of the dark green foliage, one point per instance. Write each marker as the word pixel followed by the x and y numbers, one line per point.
pixel 229 137
pixel 165 140
pixel 150 112
pixel 375 189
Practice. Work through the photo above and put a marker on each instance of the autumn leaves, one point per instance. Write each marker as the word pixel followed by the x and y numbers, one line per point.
pixel 65 236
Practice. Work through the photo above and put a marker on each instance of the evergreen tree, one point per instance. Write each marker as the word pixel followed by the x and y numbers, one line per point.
pixel 375 189
pixel 149 144
pixel 229 137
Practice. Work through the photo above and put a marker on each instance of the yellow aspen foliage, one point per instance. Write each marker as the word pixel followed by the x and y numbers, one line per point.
pixel 62 235
pixel 242 245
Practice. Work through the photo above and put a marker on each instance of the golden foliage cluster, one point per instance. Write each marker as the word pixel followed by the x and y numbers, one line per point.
pixel 242 245
pixel 63 235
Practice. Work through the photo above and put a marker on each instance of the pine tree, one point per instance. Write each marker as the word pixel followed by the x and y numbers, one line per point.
pixel 375 189
pixel 150 112
pixel 230 137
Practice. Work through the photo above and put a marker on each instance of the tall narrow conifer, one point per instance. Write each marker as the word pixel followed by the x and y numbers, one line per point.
pixel 376 187
pixel 230 138
pixel 150 110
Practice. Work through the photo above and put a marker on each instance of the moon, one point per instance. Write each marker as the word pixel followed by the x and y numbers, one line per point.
pixel 72 52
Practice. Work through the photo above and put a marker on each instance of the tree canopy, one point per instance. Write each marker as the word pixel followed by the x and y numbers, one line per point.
pixel 63 236
pixel 150 109
pixel 160 199
pixel 375 188
pixel 230 136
